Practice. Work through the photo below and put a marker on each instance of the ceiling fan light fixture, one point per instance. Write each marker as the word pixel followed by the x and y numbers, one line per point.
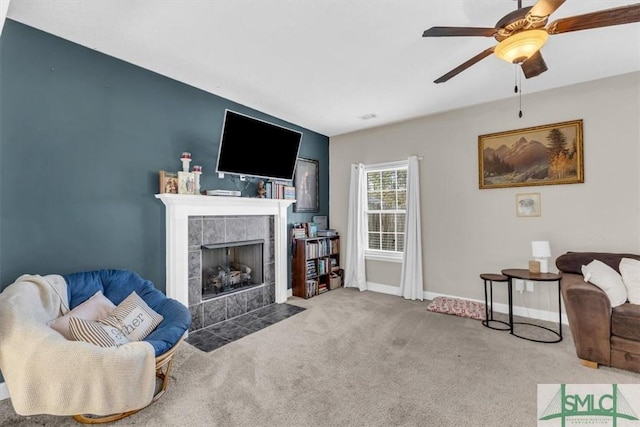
pixel 521 46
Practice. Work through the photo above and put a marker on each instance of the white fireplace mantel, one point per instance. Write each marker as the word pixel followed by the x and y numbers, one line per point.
pixel 179 207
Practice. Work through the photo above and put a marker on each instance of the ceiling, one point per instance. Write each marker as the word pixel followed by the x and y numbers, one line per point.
pixel 329 65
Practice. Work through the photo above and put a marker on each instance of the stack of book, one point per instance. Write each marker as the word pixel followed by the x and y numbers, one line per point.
pixel 322 288
pixel 311 268
pixel 312 288
pixel 280 190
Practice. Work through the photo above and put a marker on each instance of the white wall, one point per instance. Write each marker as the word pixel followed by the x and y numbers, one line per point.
pixel 468 231
pixel 4 6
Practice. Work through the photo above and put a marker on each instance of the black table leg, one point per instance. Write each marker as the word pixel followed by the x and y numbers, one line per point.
pixel 510 292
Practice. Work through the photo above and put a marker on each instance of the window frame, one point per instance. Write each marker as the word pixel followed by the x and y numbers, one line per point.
pixel 379 254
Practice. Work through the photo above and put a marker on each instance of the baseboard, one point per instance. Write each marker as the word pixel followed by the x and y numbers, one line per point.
pixel 531 313
pixel 383 289
pixel 4 391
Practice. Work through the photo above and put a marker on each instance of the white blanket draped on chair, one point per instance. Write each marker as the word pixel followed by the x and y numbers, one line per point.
pixel 47 374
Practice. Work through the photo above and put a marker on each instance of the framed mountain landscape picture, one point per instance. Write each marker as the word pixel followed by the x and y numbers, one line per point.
pixel 542 155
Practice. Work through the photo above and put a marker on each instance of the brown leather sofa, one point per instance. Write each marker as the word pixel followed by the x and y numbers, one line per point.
pixel 602 335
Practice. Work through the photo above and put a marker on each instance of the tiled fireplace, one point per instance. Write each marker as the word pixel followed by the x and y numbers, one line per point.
pixel 213 222
pixel 222 246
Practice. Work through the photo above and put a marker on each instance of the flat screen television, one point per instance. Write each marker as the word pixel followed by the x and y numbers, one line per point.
pixel 253 147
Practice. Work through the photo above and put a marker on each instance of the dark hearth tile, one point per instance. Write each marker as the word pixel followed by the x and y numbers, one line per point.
pixel 264 311
pixel 257 227
pixel 258 324
pixel 195 290
pixel 268 250
pixel 195 231
pixel 236 304
pixel 213 230
pixel 195 268
pixel 278 316
pixel 255 299
pixel 229 331
pixel 269 273
pixel 196 317
pixel 288 309
pixel 197 337
pixel 269 294
pixel 211 344
pixel 214 311
pixel 243 320
pixel 236 230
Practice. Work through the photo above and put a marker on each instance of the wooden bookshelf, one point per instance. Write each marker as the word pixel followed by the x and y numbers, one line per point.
pixel 314 259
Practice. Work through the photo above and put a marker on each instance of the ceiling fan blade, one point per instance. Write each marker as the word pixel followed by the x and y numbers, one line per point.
pixel 544 8
pixel 458 31
pixel 602 18
pixel 464 66
pixel 534 66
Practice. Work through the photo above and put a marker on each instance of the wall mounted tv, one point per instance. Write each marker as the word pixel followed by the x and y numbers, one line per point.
pixel 253 147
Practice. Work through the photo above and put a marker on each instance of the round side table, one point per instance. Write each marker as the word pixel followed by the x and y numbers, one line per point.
pixel 489 321
pixel 519 273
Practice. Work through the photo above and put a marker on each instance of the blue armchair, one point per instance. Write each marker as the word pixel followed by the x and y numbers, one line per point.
pixel 116 285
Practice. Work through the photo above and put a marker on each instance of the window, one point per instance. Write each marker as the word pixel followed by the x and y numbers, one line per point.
pixel 386 210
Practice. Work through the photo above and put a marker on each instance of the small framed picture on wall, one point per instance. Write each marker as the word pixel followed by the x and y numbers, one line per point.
pixel 306 183
pixel 528 204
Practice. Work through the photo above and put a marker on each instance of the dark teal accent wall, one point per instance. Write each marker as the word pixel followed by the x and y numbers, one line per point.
pixel 82 137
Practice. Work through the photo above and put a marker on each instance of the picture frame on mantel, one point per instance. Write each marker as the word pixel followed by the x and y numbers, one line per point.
pixel 306 183
pixel 541 155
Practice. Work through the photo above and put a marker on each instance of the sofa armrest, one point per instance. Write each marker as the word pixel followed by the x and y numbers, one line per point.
pixel 589 312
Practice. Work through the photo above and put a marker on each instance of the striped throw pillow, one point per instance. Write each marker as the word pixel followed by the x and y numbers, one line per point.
pixel 134 318
pixel 97 333
pixel 131 320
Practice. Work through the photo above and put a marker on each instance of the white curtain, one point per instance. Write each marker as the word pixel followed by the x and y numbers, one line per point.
pixel 411 280
pixel 354 271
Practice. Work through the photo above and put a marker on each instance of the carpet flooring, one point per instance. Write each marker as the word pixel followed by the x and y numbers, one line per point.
pixel 362 359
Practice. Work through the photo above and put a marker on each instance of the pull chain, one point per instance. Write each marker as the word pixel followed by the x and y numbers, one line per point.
pixel 518 89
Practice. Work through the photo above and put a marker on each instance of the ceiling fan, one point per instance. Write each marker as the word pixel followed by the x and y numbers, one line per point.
pixel 521 33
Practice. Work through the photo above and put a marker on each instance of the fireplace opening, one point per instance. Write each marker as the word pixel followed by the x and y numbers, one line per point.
pixel 231 267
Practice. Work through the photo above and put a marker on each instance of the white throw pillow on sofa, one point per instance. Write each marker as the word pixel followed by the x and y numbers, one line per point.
pixel 607 279
pixel 630 270
pixel 96 307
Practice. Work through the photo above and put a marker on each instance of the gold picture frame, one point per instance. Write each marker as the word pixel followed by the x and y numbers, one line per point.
pixel 168 182
pixel 542 155
pixel 528 204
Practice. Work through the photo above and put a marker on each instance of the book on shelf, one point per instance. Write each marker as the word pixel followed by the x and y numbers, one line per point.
pixel 298 231
pixel 312 229
pixel 312 288
pixel 289 192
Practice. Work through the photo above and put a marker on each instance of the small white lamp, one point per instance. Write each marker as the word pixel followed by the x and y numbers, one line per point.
pixel 541 252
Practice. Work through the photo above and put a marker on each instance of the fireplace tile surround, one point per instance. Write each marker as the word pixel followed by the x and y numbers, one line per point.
pixel 194 219
pixel 208 230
